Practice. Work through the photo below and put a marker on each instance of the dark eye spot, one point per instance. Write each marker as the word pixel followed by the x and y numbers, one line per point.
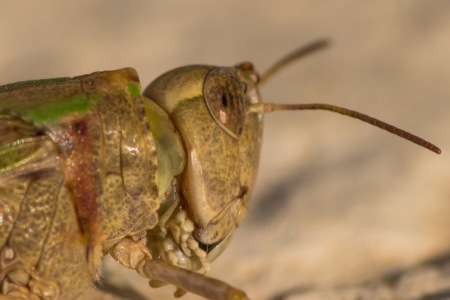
pixel 224 100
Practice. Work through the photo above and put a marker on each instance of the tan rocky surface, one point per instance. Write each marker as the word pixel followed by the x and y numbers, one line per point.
pixel 337 203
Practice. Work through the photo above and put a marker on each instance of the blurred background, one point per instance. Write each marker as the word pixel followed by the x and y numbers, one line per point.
pixel 337 201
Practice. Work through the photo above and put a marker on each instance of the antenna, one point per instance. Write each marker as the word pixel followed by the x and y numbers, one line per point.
pixel 269 107
pixel 313 47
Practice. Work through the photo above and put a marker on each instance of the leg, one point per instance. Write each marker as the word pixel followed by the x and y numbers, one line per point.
pixel 136 256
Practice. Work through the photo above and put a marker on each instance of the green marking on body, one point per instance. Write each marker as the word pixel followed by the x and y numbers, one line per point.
pixel 134 89
pixel 60 108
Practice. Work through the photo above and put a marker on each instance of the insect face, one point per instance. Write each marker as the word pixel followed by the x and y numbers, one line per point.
pixel 210 108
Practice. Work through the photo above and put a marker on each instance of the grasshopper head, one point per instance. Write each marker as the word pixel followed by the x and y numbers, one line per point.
pixel 210 109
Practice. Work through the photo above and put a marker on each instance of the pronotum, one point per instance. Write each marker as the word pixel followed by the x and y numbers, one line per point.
pixel 159 180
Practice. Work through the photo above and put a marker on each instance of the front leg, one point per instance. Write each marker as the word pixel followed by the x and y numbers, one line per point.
pixel 134 255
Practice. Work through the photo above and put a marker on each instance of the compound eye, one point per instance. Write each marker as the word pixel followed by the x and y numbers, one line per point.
pixel 225 100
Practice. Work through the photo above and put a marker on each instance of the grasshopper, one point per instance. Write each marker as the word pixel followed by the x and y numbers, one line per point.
pixel 91 166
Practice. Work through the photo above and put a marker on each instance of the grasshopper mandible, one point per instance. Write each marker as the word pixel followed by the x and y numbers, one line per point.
pixel 160 180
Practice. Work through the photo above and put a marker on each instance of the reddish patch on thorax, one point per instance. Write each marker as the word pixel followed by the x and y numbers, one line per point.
pixel 82 174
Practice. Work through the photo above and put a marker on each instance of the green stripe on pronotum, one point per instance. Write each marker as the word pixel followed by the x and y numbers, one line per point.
pixel 57 109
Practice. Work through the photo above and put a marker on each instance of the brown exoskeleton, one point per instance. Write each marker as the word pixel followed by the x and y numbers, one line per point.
pixel 159 180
